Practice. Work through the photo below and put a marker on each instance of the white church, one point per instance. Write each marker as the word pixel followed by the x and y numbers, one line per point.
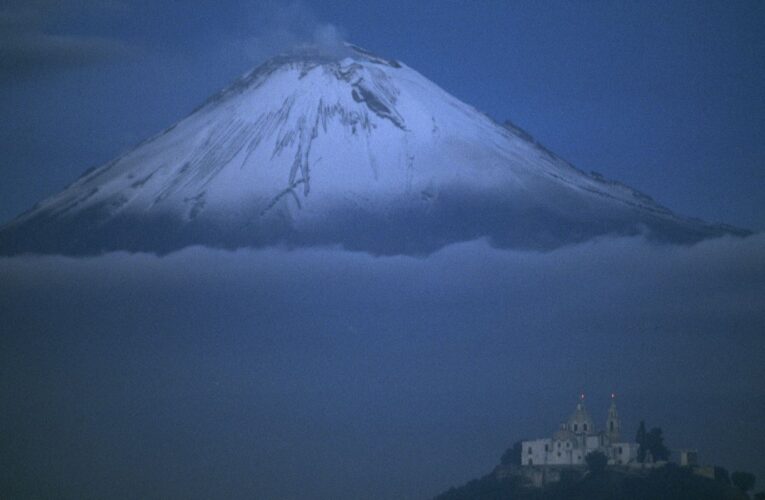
pixel 578 437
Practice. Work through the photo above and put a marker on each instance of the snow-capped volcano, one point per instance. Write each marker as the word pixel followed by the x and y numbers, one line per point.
pixel 349 149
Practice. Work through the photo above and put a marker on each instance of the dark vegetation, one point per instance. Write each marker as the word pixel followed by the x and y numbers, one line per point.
pixel 596 463
pixel 651 444
pixel 743 480
pixel 513 455
pixel 670 482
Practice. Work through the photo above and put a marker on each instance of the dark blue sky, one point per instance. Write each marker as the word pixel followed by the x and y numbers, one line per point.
pixel 665 96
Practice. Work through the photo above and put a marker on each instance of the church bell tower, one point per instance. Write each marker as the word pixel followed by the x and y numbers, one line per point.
pixel 613 424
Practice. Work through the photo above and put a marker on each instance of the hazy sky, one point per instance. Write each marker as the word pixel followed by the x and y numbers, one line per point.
pixel 665 96
pixel 321 373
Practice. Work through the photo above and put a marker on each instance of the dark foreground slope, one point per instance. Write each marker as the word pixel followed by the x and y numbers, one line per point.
pixel 666 483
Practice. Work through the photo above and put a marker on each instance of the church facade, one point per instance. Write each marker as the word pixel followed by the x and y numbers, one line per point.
pixel 578 437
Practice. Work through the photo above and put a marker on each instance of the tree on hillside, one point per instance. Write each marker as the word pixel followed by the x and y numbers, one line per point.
pixel 640 440
pixel 596 462
pixel 722 476
pixel 654 442
pixel 743 480
pixel 513 455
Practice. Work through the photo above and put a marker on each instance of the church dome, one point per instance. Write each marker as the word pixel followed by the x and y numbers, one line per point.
pixel 580 421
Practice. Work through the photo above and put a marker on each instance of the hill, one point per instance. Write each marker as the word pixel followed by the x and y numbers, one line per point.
pixel 670 482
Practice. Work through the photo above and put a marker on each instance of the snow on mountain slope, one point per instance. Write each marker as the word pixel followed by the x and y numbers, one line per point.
pixel 353 150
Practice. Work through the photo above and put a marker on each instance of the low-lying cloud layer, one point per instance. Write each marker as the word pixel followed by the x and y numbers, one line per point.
pixel 323 373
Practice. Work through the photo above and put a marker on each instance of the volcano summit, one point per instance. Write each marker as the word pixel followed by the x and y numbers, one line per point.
pixel 350 149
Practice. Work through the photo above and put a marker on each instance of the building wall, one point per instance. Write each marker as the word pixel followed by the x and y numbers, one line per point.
pixel 553 452
pixel 536 452
pixel 594 442
pixel 622 453
pixel 574 451
pixel 689 457
pixel 565 452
